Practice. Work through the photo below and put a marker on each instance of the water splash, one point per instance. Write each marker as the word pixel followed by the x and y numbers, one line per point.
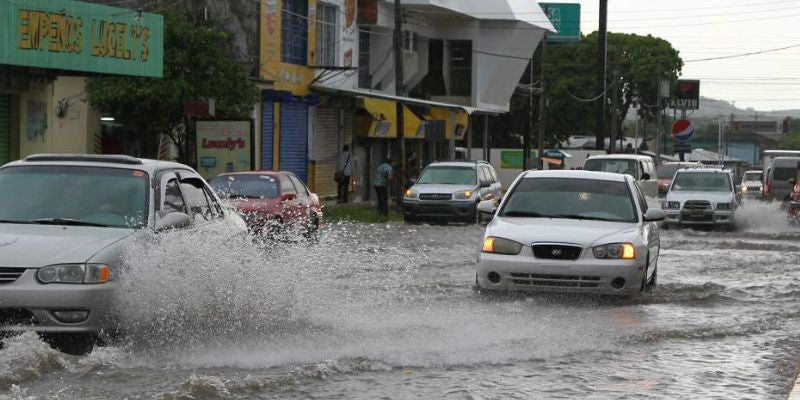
pixel 762 217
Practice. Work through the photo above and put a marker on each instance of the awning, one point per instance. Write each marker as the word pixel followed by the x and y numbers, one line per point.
pixel 407 100
pixel 450 116
pixel 384 120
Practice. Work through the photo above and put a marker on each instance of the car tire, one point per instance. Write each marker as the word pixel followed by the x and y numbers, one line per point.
pixel 653 282
pixel 409 219
pixel 312 229
pixel 76 344
pixel 473 216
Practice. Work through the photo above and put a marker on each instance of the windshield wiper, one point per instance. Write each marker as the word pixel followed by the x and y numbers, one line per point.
pixel 9 221
pixel 522 214
pixel 586 217
pixel 66 221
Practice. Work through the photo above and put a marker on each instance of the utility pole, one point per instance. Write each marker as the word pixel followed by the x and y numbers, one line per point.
pixel 399 87
pixel 600 106
pixel 658 116
pixel 526 135
pixel 614 114
pixel 542 102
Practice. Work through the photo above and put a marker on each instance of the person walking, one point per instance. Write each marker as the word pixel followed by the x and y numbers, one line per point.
pixel 344 168
pixel 383 177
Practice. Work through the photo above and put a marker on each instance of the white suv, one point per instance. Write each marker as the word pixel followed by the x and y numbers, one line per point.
pixel 701 196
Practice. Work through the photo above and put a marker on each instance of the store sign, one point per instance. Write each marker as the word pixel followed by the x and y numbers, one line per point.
pixel 687 95
pixel 78 36
pixel 224 146
pixel 566 18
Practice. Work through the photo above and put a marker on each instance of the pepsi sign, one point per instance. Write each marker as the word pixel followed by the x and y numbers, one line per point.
pixel 682 130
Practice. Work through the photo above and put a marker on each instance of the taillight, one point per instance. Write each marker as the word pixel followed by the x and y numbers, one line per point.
pixel 768 188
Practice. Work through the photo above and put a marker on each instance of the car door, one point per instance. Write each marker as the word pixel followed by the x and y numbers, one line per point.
pixel 650 230
pixel 303 197
pixel 290 209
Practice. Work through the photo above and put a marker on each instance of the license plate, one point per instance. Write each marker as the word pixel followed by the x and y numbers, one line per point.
pixel 697 213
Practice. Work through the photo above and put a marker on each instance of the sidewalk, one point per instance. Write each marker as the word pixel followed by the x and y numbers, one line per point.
pixel 362 211
pixel 794 394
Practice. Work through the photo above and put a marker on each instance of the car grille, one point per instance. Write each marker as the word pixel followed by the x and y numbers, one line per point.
pixel 557 251
pixel 435 196
pixel 574 281
pixel 8 275
pixel 753 188
pixel 697 205
pixel 16 316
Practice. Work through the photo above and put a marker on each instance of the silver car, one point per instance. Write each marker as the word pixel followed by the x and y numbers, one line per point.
pixel 571 231
pixel 451 190
pixel 65 221
pixel 701 196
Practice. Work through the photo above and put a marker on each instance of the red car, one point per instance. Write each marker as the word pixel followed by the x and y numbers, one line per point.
pixel 794 199
pixel 271 201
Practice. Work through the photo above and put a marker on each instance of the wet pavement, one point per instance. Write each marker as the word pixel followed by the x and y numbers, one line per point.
pixel 389 311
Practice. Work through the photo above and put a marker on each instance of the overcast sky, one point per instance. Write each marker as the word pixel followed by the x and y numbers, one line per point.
pixel 701 29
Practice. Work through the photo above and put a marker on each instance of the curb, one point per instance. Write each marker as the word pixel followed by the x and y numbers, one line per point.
pixel 794 393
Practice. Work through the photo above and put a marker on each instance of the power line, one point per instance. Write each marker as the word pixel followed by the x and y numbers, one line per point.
pixel 743 54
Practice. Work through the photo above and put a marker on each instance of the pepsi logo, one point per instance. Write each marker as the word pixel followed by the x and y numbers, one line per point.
pixel 682 130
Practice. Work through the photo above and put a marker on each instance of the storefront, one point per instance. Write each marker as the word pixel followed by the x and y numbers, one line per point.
pixel 284 132
pixel 332 129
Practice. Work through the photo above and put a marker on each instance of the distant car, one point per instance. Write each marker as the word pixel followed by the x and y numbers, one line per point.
pixel 777 186
pixel 640 167
pixel 701 196
pixel 65 223
pixel 666 171
pixel 451 190
pixel 571 231
pixel 794 200
pixel 271 201
pixel 752 184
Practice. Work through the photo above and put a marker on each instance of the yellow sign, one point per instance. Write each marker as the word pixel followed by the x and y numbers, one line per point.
pixel 384 120
pixel 455 121
pixel 286 76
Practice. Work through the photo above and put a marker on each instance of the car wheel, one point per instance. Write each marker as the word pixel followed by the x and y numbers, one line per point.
pixel 76 344
pixel 473 216
pixel 653 280
pixel 409 219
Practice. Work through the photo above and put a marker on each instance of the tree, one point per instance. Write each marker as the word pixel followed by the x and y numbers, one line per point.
pixel 197 66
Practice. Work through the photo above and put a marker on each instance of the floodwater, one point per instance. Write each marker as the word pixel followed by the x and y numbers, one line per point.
pixel 388 311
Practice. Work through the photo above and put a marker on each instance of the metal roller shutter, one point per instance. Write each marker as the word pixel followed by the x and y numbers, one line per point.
pixel 294 139
pixel 5 129
pixel 326 150
pixel 267 124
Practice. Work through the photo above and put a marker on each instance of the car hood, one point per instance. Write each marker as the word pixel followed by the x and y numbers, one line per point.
pixel 582 232
pixel 713 197
pixel 441 188
pixel 34 246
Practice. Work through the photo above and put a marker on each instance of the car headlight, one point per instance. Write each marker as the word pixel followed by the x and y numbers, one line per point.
pixel 744 189
pixel 74 273
pixel 411 194
pixel 615 251
pixel 463 195
pixel 498 245
pixel 672 205
pixel 723 206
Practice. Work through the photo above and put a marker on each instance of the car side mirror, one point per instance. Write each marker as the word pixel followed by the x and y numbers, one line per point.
pixel 792 181
pixel 487 207
pixel 654 214
pixel 645 176
pixel 288 196
pixel 173 220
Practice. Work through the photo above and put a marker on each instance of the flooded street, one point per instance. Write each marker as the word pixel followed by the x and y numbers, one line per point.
pixel 388 311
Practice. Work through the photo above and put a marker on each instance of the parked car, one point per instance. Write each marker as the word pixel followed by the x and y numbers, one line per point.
pixel 777 186
pixel 701 196
pixel 752 184
pixel 666 171
pixel 640 167
pixel 794 199
pixel 271 201
pixel 573 231
pixel 451 190
pixel 65 221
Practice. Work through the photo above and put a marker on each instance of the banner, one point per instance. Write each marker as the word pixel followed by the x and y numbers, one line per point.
pixel 224 146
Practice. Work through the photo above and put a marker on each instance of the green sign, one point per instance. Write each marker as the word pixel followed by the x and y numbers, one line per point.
pixel 78 36
pixel 512 159
pixel 566 18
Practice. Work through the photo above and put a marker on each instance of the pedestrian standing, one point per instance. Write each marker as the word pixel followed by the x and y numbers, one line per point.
pixel 344 169
pixel 383 178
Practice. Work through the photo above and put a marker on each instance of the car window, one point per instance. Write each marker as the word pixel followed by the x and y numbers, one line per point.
pixel 173 199
pixel 197 200
pixel 494 174
pixel 286 185
pixel 299 186
pixel 650 169
pixel 702 182
pixel 618 165
pixel 642 198
pixel 482 176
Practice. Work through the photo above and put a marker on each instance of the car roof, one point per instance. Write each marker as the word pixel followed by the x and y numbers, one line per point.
pixel 576 174
pixel 780 160
pixel 240 173
pixel 705 169
pixel 456 163
pixel 620 156
pixel 99 160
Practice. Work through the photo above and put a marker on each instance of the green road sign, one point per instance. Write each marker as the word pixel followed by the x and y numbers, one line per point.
pixel 566 18
pixel 78 36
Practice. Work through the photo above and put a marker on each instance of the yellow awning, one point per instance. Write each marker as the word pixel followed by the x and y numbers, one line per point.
pixel 384 120
pixel 460 117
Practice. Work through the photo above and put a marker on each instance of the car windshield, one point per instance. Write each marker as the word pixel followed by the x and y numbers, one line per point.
pixel 72 195
pixel 667 170
pixel 571 198
pixel 448 176
pixel 702 182
pixel 753 176
pixel 619 166
pixel 246 186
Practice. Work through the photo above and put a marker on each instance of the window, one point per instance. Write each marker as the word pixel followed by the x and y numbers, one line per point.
pixel 482 174
pixel 460 68
pixel 702 182
pixel 642 197
pixel 301 188
pixel 494 175
pixel 326 34
pixel 197 201
pixel 410 41
pixel 294 32
pixel 173 200
pixel 364 78
pixel 286 185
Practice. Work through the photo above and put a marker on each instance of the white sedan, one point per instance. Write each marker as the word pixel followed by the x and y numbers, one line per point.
pixel 571 231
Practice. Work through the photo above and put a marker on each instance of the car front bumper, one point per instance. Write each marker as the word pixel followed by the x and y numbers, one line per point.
pixel 438 209
pixel 699 217
pixel 27 305
pixel 584 275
